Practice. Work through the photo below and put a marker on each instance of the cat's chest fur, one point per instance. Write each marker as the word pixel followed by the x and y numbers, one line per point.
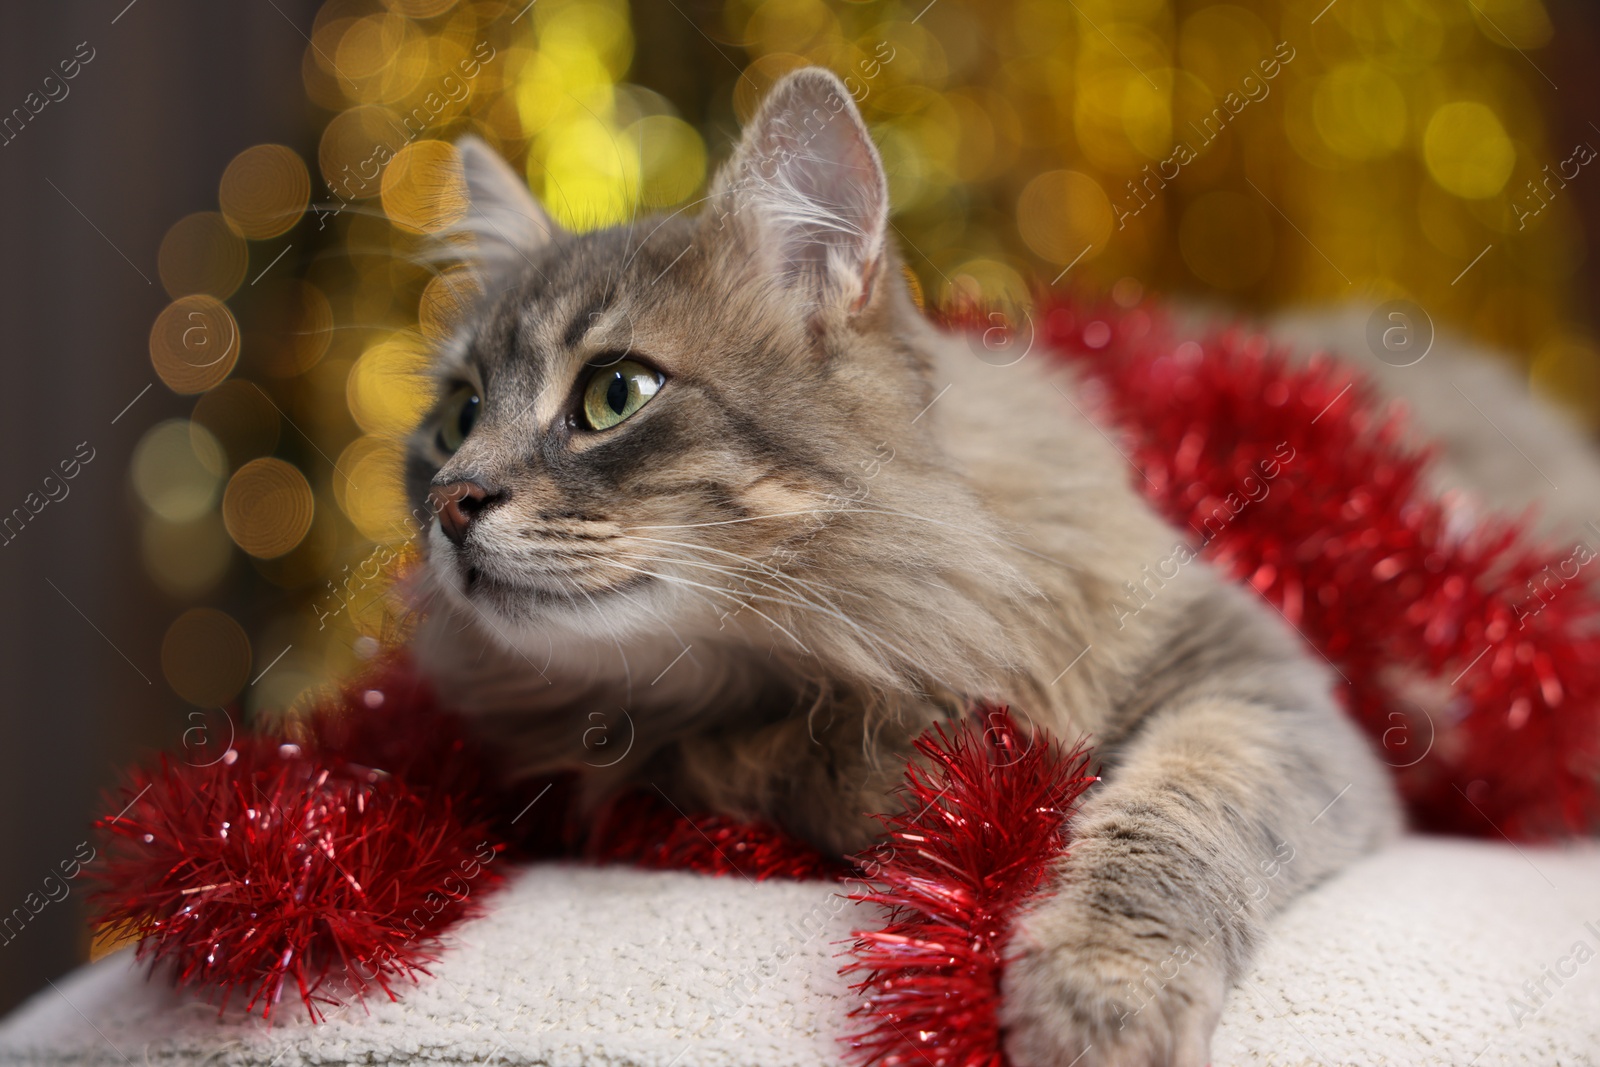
pixel 569 702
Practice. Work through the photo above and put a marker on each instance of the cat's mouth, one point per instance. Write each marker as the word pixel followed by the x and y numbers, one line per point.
pixel 535 580
pixel 515 596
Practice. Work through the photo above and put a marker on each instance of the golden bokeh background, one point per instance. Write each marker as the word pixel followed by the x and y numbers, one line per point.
pixel 1261 153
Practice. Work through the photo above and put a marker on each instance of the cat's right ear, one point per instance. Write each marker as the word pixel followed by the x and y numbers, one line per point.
pixel 505 222
pixel 806 187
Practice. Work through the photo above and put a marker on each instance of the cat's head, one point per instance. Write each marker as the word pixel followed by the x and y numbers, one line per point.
pixel 673 421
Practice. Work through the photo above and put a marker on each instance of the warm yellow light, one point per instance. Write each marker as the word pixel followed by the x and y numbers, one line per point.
pixel 264 191
pixel 1467 150
pixel 177 470
pixel 1360 111
pixel 423 188
pixel 1520 24
pixel 420 9
pixel 445 300
pixel 367 51
pixel 373 496
pixel 267 507
pixel 389 389
pixel 591 173
pixel 1064 216
pixel 194 344
pixel 673 159
pixel 355 148
pixel 789 25
pixel 583 31
pixel 306 319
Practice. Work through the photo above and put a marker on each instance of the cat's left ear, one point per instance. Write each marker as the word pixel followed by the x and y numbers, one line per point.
pixel 505 222
pixel 807 184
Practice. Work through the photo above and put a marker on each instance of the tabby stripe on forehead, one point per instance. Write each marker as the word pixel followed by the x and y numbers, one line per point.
pixel 583 321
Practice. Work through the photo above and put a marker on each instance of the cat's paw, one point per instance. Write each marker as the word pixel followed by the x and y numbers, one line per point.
pixel 1088 988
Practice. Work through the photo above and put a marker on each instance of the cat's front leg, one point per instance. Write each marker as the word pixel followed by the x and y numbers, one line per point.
pixel 1217 813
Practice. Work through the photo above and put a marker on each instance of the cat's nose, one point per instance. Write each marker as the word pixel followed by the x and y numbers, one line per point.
pixel 457 504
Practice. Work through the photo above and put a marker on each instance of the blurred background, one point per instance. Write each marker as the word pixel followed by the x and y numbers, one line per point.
pixel 214 307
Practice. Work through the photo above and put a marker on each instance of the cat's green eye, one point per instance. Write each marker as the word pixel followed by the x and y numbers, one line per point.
pixel 617 391
pixel 457 417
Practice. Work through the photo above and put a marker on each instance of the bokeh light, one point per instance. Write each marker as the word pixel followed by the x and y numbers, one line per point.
pixel 422 187
pixel 186 559
pixel 302 319
pixel 202 254
pixel 1467 150
pixel 1064 214
pixel 194 344
pixel 178 470
pixel 389 388
pixel 264 191
pixel 372 496
pixel 267 507
pixel 205 657
pixel 445 301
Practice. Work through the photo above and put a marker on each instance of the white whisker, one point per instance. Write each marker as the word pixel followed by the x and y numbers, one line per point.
pixel 954 526
pixel 721 592
pixel 768 569
pixel 826 609
pixel 734 522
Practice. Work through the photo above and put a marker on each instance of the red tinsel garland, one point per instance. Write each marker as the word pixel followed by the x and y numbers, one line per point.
pixel 646 830
pixel 1372 569
pixel 329 861
pixel 985 816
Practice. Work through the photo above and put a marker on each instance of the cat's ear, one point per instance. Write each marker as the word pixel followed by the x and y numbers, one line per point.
pixel 806 183
pixel 505 222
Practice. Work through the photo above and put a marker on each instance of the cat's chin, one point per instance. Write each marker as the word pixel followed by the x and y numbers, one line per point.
pixel 530 604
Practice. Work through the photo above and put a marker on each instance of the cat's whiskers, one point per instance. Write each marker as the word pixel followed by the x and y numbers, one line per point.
pixel 679 579
pixel 991 538
pixel 731 572
pixel 428 264
pixel 566 577
pixel 952 526
pixel 816 600
pixel 829 611
pixel 734 522
pixel 596 556
pixel 591 552
pixel 909 659
pixel 819 604
pixel 764 568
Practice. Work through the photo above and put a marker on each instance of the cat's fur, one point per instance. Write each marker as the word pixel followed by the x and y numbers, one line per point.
pixel 835 525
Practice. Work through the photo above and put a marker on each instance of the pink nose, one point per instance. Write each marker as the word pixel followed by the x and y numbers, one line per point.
pixel 457 504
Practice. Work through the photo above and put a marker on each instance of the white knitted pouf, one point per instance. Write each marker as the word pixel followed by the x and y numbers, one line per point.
pixel 1433 952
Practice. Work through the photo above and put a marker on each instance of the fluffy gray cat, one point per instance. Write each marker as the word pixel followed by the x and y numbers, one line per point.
pixel 715 475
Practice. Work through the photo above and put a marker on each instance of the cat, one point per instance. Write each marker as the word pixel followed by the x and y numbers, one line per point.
pixel 712 484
